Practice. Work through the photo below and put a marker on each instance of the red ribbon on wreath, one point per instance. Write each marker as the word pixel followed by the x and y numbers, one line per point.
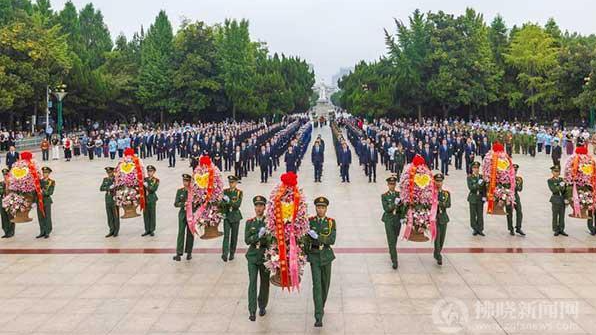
pixel 191 220
pixel 287 265
pixel 497 148
pixel 27 157
pixel 129 152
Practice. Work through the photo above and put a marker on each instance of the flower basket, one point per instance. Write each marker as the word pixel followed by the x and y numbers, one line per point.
pixel 580 177
pixel 23 185
pixel 418 192
pixel 287 222
pixel 499 174
pixel 211 232
pixel 128 180
pixel 130 211
pixel 204 198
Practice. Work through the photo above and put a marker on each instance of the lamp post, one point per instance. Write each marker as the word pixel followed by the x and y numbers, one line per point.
pixel 59 93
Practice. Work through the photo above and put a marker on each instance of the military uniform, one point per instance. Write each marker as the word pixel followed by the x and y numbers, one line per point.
pixel 7 225
pixel 320 256
pixel 444 200
pixel 111 208
pixel 477 188
pixel 149 217
pixel 232 216
pixel 47 190
pixel 393 212
pixel 258 242
pixel 558 188
pixel 519 185
pixel 185 239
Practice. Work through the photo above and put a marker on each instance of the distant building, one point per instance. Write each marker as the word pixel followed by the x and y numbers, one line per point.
pixel 342 72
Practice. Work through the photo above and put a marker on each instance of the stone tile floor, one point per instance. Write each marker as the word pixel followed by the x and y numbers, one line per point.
pixel 85 291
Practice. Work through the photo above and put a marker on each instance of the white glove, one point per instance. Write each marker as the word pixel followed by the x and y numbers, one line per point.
pixel 402 221
pixel 397 200
pixel 112 187
pixel 483 199
pixel 261 232
pixel 480 181
pixel 313 234
pixel 562 184
pixel 146 184
pixel 226 198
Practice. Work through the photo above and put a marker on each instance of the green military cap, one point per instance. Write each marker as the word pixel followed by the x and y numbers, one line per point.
pixel 439 177
pixel 232 178
pixel 259 200
pixel 516 166
pixel 46 169
pixel 555 168
pixel 321 201
pixel 475 164
pixel 186 177
pixel 109 169
pixel 5 171
pixel 151 168
pixel 391 179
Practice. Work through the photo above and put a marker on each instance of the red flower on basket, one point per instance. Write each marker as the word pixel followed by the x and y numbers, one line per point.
pixel 23 185
pixel 128 179
pixel 499 174
pixel 287 222
pixel 206 192
pixel 580 174
pixel 418 192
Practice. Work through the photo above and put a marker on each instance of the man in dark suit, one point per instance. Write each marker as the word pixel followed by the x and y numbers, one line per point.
pixel 12 156
pixel 171 149
pixel 556 153
pixel 317 158
pixel 458 152
pixel 345 159
pixel 371 158
pixel 290 160
pixel 264 160
pixel 444 156
pixel 470 154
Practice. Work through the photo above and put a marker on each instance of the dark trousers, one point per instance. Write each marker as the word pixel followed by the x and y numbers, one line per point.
pixel 458 162
pixel 518 215
pixel 556 161
pixel 238 169
pixel 558 223
pixel 113 219
pixel 257 271
pixel 264 173
pixel 321 278
pixel 392 230
pixel 445 167
pixel 7 225
pixel 318 171
pixel 227 163
pixel 547 149
pixel 172 158
pixel 477 216
pixel 230 238
pixel 440 240
pixel 149 217
pixel 45 222
pixel 185 239
pixel 345 172
pixel 371 171
pixel 45 155
pixel 120 153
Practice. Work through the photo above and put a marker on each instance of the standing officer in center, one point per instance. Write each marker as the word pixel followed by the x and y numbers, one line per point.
pixel 232 200
pixel 185 239
pixel 47 190
pixel 444 201
pixel 258 241
pixel 151 185
pixel 321 237
pixel 393 212
pixel 476 186
pixel 317 158
pixel 107 186
pixel 558 188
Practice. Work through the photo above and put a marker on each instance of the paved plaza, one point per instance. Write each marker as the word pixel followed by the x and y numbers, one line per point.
pixel 78 282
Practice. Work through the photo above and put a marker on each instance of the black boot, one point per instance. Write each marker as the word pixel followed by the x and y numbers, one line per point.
pixel 177 258
pixel 252 317
pixel 262 311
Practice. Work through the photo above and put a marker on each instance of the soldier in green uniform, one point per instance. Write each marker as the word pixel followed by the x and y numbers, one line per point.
pixel 7 225
pixel 185 240
pixel 476 186
pixel 519 186
pixel 151 185
pixel 47 190
pixel 557 186
pixel 393 212
pixel 442 217
pixel 319 240
pixel 107 185
pixel 230 206
pixel 258 241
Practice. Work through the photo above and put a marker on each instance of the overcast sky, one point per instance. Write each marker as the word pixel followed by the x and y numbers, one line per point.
pixel 332 33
